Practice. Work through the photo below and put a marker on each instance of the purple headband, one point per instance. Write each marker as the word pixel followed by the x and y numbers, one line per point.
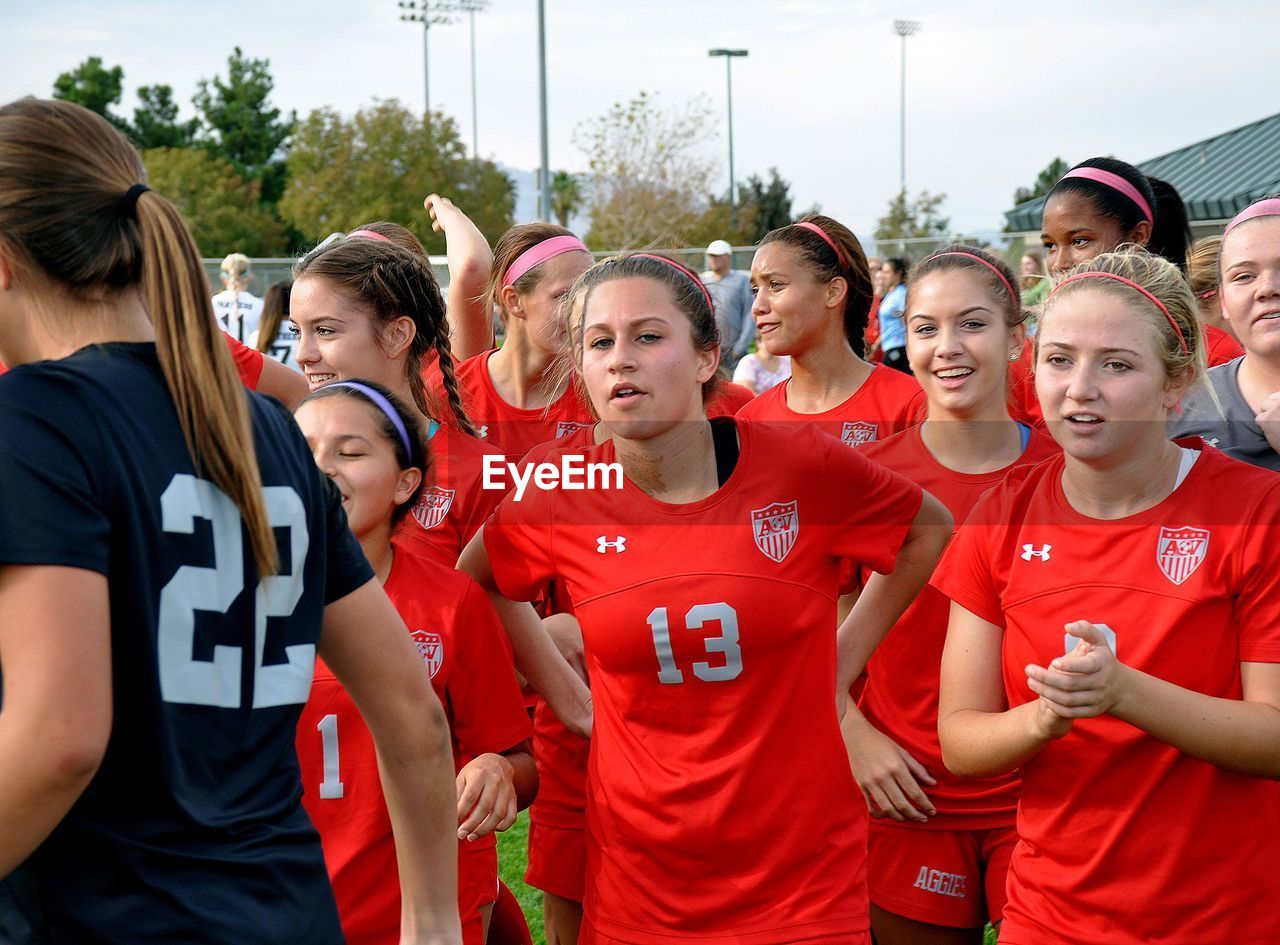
pixel 1270 207
pixel 385 406
pixel 688 272
pixel 539 253
pixel 1115 182
pixel 1014 296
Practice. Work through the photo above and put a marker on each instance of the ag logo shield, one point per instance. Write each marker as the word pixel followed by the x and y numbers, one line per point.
pixel 567 427
pixel 431 649
pixel 775 528
pixel 1179 551
pixel 857 432
pixel 433 506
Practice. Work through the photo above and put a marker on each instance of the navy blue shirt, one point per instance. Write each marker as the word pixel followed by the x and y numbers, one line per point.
pixel 192 830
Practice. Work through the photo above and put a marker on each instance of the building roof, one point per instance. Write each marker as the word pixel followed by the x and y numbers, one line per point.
pixel 1217 177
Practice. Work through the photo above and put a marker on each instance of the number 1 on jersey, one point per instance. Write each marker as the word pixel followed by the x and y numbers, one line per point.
pixel 331 786
pixel 698 616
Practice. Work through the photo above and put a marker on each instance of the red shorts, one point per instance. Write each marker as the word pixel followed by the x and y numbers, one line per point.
pixel 944 877
pixel 592 936
pixel 557 861
pixel 477 886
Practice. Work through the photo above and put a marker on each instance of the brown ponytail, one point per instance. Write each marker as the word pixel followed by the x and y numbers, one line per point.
pixel 63 174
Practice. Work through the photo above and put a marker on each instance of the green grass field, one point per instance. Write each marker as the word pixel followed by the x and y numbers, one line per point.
pixel 512 851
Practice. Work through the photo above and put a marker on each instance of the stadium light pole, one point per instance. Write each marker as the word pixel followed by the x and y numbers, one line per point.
pixel 545 183
pixel 426 13
pixel 729 55
pixel 903 28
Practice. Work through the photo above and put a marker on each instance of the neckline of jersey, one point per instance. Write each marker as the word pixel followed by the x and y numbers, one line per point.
pixel 916 439
pixel 833 413
pixel 701 505
pixel 1058 496
pixel 524 413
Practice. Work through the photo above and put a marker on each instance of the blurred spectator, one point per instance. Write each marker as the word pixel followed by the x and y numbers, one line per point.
pixel 730 291
pixel 238 312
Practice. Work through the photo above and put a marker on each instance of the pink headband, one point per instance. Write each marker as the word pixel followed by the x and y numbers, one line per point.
pixel 539 253
pixel 688 272
pixel 369 235
pixel 1133 285
pixel 1014 296
pixel 1115 182
pixel 1263 208
pixel 814 228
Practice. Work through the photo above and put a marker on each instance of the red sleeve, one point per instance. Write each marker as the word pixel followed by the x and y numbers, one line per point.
pixel 248 361
pixel 871 510
pixel 520 540
pixel 964 574
pixel 487 707
pixel 1257 607
pixel 728 399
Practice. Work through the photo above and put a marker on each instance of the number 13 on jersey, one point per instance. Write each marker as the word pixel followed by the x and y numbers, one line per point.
pixel 699 616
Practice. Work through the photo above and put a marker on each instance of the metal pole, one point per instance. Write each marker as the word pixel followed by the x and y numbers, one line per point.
pixel 426 68
pixel 475 120
pixel 545 209
pixel 902 121
pixel 733 199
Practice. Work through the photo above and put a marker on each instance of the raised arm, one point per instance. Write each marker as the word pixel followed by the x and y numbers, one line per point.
pixel 55 647
pixel 367 646
pixel 536 655
pixel 470 261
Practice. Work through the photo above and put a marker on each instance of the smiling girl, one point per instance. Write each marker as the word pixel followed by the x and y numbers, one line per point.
pixel 812 298
pixel 1237 407
pixel 370 446
pixel 706 591
pixel 1115 633
pixel 964 318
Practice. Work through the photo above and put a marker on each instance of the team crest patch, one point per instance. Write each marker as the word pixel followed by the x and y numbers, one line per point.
pixel 568 427
pixel 431 649
pixel 858 432
pixel 775 528
pixel 1180 551
pixel 433 506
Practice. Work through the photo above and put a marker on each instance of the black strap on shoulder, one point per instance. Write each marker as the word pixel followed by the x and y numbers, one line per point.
pixel 724 437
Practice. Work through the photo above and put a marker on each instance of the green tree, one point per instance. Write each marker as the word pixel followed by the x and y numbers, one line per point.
pixel 242 125
pixel 769 201
pixel 222 208
pixel 650 172
pixel 1044 181
pixel 913 219
pixel 155 120
pixel 94 86
pixel 379 165
pixel 566 196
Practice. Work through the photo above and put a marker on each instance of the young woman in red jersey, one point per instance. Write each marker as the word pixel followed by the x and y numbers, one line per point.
pixel 706 589
pixel 516 394
pixel 371 446
pixel 364 307
pixel 1115 633
pixel 813 296
pixel 939 854
pixel 1097 206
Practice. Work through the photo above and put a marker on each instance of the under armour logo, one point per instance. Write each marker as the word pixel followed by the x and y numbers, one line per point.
pixel 483 431
pixel 619 544
pixel 1029 552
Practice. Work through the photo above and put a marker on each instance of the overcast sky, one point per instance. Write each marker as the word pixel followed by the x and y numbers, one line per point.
pixel 995 90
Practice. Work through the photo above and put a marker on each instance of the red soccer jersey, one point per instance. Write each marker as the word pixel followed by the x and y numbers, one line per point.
pixel 887 402
pixel 1124 839
pixel 467 653
pixel 709 643
pixel 1220 346
pixel 1024 404
pixel 455 502
pixel 516 430
pixel 901 695
pixel 728 399
pixel 248 361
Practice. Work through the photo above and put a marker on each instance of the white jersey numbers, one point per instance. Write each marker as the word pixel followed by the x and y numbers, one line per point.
pixel 698 616
pixel 187 680
pixel 331 787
